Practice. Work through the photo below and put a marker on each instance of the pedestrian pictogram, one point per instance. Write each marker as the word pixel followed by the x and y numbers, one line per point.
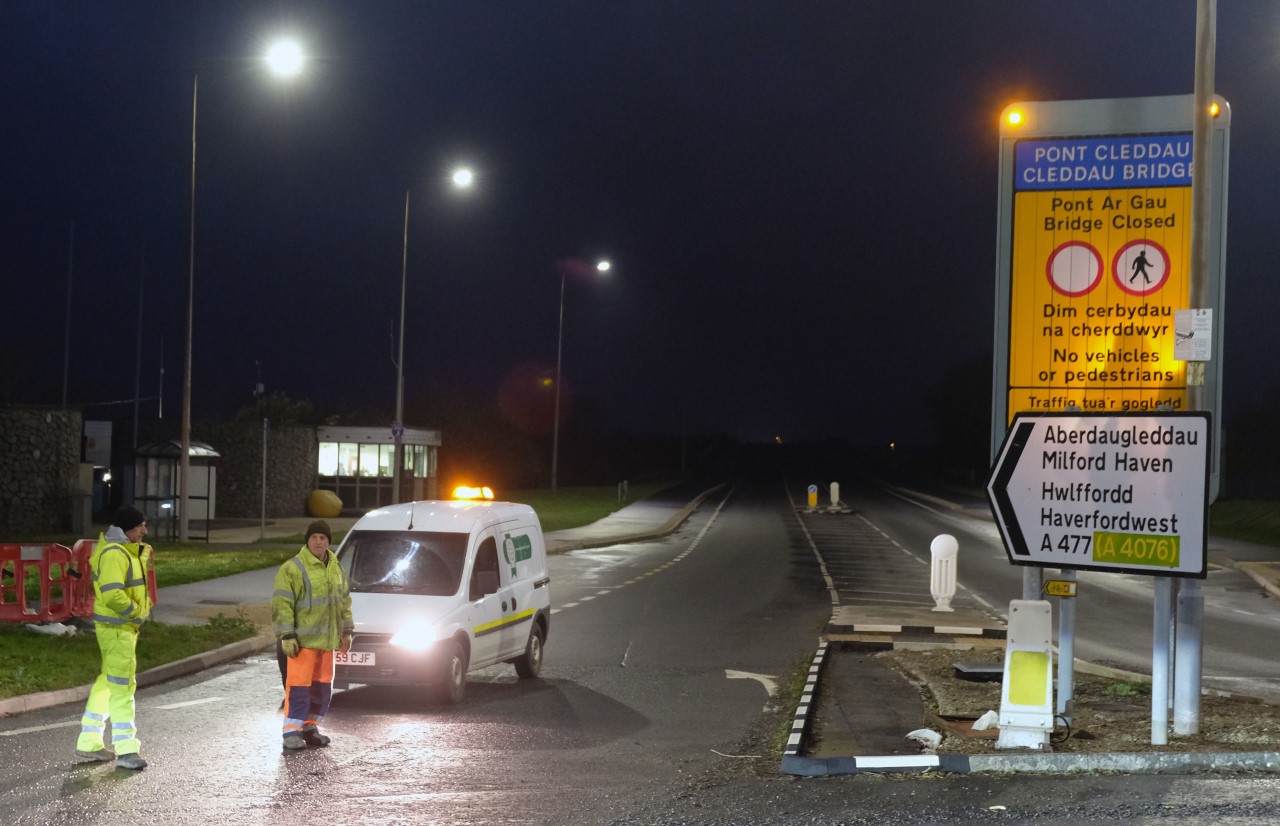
pixel 1141 267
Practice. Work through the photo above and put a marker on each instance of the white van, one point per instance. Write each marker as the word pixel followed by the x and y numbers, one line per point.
pixel 442 588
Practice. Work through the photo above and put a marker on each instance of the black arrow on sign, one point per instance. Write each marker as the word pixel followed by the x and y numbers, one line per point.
pixel 999 487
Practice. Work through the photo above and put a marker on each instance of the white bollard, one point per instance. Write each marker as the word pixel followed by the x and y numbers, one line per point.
pixel 835 496
pixel 942 574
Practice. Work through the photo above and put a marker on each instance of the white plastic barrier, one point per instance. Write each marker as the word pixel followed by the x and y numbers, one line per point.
pixel 1026 697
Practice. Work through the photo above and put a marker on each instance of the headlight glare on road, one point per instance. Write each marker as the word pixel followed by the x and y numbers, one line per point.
pixel 415 635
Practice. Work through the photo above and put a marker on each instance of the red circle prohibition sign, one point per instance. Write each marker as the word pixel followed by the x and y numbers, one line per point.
pixel 1074 268
pixel 1133 269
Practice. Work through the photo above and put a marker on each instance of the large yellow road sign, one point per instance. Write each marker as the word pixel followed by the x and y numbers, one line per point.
pixel 1093 261
pixel 1097 277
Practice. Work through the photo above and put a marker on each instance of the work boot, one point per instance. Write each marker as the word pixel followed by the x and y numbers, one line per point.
pixel 131 761
pixel 103 754
pixel 294 742
pixel 314 738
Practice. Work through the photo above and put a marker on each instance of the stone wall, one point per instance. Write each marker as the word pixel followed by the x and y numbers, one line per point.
pixel 39 468
pixel 291 468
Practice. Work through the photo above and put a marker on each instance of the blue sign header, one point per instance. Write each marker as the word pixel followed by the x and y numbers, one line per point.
pixel 1102 163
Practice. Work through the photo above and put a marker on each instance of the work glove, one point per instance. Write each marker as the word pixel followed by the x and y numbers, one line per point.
pixel 146 555
pixel 290 646
pixel 346 644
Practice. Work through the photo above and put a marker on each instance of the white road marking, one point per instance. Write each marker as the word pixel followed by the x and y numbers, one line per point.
pixel 39 728
pixel 770 685
pixel 192 703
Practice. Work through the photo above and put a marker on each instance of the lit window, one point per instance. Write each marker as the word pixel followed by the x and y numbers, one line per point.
pixel 368 460
pixel 328 459
pixel 347 457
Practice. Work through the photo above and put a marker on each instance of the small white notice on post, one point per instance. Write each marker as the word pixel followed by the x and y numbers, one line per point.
pixel 1123 492
pixel 1193 335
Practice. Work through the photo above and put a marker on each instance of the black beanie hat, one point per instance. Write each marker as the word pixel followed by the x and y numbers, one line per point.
pixel 128 518
pixel 319 526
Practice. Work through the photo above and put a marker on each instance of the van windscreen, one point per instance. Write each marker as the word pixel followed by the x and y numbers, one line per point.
pixel 408 562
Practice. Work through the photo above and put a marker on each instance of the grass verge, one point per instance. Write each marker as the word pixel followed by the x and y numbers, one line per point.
pixel 39 662
pixel 1247 520
pixel 575 507
pixel 182 565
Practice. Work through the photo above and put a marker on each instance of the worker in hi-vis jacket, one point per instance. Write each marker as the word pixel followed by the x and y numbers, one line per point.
pixel 311 612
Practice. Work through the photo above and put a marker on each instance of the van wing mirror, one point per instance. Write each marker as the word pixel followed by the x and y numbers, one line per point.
pixel 487 582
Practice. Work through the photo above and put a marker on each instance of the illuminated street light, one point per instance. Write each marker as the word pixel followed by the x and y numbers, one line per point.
pixel 462 178
pixel 284 59
pixel 602 266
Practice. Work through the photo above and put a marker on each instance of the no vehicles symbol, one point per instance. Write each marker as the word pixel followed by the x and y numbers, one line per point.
pixel 1074 268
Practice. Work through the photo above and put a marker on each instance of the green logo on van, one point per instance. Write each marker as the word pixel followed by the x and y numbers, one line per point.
pixel 517 548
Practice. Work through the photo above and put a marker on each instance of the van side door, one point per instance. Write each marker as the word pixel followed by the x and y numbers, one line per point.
pixel 520 569
pixel 489 603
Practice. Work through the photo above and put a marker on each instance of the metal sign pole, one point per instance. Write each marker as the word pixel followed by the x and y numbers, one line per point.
pixel 1162 616
pixel 1190 627
pixel 1066 650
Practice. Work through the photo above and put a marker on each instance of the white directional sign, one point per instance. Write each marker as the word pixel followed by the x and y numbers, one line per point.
pixel 1120 492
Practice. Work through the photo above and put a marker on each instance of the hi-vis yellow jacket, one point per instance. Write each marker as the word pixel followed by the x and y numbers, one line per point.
pixel 118 572
pixel 312 600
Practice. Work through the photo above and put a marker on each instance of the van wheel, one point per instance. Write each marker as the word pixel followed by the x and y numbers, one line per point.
pixel 529 664
pixel 453 675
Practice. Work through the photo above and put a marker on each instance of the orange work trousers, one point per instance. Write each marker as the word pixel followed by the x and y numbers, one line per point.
pixel 308 687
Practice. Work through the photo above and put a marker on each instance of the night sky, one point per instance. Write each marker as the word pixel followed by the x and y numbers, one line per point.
pixel 799 199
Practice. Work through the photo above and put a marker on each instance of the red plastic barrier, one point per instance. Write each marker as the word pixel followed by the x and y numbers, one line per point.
pixel 62 580
pixel 82 606
pixel 82 597
pixel 49 566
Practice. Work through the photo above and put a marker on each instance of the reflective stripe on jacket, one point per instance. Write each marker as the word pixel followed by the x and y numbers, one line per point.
pixel 119 583
pixel 312 600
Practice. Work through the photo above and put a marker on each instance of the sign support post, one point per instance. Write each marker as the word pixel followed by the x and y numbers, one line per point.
pixel 1162 616
pixel 1190 619
pixel 1067 649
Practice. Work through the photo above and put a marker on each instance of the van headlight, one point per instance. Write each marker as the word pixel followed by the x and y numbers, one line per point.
pixel 415 635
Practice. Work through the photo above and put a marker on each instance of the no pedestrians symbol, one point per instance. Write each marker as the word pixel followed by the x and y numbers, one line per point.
pixel 1140 267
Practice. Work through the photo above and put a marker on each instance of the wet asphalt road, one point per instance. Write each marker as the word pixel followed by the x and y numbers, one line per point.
pixel 654 707
pixel 662 658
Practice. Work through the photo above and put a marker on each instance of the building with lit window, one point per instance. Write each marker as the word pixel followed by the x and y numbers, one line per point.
pixel 356 463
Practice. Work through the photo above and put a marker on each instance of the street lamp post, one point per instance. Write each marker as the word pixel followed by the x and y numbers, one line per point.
pixel 602 266
pixel 462 178
pixel 397 426
pixel 285 59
